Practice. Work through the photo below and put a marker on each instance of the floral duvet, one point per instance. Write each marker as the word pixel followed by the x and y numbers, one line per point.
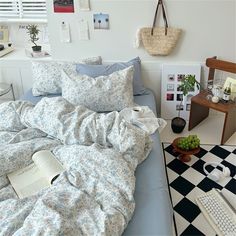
pixel 100 152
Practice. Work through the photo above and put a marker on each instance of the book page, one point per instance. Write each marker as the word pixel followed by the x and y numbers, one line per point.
pixel 28 176
pixel 37 176
pixel 48 164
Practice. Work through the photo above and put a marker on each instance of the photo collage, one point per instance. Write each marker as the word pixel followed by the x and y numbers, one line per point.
pixel 174 92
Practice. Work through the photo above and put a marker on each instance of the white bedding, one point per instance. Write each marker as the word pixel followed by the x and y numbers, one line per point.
pixel 100 152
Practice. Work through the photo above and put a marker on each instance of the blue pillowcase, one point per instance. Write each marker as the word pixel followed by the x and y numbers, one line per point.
pixel 99 70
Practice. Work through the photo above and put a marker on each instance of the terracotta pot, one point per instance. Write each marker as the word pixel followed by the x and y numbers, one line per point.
pixel 185 156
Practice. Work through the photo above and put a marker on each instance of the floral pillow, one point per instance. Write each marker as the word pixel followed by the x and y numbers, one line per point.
pixel 47 74
pixel 104 93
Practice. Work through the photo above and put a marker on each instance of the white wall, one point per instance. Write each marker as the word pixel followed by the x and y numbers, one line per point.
pixel 209 28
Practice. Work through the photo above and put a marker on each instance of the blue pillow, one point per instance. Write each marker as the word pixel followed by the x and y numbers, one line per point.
pixel 99 70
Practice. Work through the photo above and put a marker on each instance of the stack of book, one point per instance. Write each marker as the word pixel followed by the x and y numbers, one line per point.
pixel 36 54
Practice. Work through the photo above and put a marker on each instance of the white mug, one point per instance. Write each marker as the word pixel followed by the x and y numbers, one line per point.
pixel 137 113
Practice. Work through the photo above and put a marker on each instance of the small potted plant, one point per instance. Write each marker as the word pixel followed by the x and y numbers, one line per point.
pixel 33 32
pixel 187 85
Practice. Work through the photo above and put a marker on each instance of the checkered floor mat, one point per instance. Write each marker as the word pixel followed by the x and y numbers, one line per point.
pixel 188 180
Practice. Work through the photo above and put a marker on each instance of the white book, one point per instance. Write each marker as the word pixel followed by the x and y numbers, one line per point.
pixel 37 176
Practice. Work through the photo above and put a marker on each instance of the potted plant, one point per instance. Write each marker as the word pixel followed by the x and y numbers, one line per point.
pixel 187 85
pixel 33 32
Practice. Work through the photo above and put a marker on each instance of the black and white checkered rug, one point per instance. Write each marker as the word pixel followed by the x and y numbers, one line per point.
pixel 188 180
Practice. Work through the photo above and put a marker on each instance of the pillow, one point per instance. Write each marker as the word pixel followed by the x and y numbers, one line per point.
pixel 104 93
pixel 98 70
pixel 47 74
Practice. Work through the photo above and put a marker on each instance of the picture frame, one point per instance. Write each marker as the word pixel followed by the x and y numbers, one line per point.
pixel 171 94
pixel 101 21
pixel 61 6
pixel 4 35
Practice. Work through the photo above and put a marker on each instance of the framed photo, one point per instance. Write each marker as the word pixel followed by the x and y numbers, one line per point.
pixel 188 106
pixel 170 87
pixel 172 99
pixel 180 97
pixel 179 107
pixel 62 6
pixel 171 77
pixel 101 21
pixel 4 35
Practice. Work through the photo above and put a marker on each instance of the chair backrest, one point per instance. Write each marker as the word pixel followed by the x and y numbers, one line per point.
pixel 215 64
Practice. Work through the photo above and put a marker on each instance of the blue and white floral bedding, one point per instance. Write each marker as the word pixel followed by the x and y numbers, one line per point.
pixel 100 153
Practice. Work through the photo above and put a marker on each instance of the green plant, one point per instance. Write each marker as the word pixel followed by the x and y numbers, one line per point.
pixel 187 85
pixel 33 31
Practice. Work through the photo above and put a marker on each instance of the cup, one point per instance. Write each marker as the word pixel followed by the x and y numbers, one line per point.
pixel 136 113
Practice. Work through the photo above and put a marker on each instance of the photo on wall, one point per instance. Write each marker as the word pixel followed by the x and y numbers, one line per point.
pixel 170 87
pixel 171 78
pixel 101 21
pixel 171 92
pixel 179 88
pixel 63 6
pixel 170 97
pixel 179 107
pixel 179 97
pixel 180 77
pixel 4 34
pixel 188 107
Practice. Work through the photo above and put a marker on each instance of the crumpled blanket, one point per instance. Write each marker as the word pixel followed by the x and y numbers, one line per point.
pixel 145 119
pixel 100 152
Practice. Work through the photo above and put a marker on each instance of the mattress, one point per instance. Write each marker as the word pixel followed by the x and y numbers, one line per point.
pixel 153 212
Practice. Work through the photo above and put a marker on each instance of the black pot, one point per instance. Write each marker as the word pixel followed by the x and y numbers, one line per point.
pixel 178 125
pixel 37 48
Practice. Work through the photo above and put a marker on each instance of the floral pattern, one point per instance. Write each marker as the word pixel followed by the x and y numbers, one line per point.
pixel 104 93
pixel 47 74
pixel 100 152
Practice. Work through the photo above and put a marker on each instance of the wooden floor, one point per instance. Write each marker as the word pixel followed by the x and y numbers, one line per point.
pixel 209 131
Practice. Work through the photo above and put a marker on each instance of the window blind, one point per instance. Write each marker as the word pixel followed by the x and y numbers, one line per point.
pixel 23 9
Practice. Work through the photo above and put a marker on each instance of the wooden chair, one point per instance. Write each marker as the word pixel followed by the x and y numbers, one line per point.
pixel 200 105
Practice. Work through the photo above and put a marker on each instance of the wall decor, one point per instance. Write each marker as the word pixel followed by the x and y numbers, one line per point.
pixel 101 21
pixel 83 30
pixel 4 34
pixel 65 32
pixel 84 5
pixel 171 94
pixel 63 6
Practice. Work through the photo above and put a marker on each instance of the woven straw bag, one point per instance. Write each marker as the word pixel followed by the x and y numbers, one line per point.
pixel 160 40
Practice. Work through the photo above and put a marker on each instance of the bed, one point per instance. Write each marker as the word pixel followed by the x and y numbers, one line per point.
pixel 153 211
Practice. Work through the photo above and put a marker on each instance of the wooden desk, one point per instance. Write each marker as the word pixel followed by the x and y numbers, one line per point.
pixel 200 110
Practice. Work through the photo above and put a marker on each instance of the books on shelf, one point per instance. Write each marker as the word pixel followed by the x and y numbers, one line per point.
pixel 33 54
pixel 39 175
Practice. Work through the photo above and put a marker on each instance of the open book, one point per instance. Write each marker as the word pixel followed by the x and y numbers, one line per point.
pixel 37 176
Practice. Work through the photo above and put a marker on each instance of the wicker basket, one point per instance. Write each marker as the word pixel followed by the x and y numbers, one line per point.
pixel 160 40
pixel 159 43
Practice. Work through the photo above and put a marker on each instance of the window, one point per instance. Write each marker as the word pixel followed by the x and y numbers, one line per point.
pixel 23 9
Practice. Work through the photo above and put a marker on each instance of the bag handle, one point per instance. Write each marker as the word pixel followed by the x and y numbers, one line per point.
pixel 160 2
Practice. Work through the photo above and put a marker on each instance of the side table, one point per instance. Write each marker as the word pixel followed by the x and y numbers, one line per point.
pixel 6 88
pixel 200 110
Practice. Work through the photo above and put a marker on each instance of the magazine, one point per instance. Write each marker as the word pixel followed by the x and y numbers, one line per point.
pixel 37 176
